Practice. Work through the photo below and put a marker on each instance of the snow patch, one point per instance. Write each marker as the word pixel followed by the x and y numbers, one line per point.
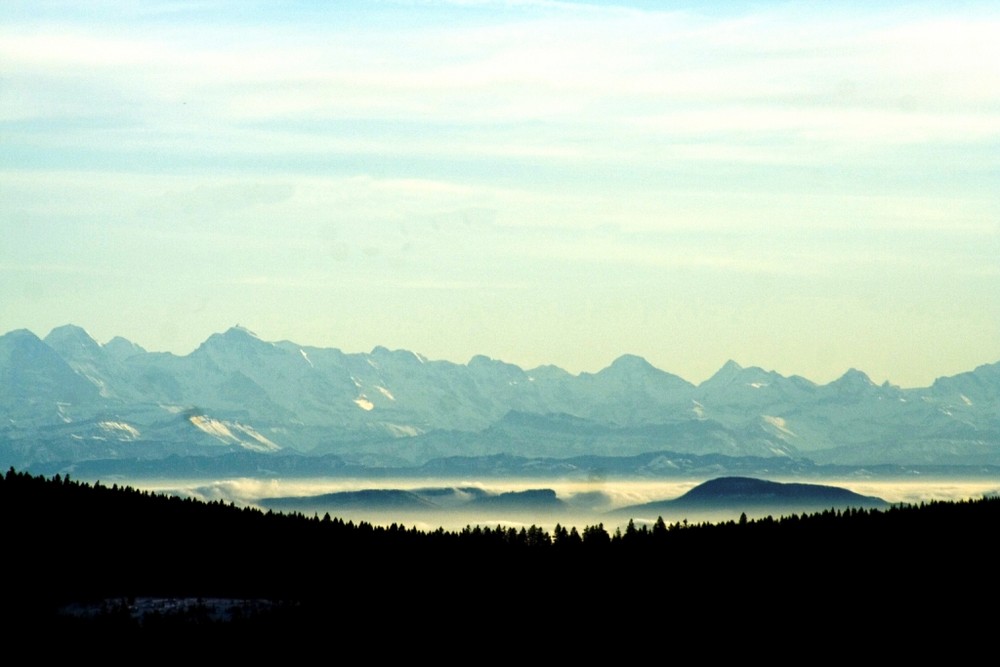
pixel 698 410
pixel 758 385
pixel 121 427
pixel 661 463
pixel 965 399
pixel 213 427
pixel 364 404
pixel 224 431
pixel 306 357
pixel 401 431
pixel 778 423
pixel 102 388
pixel 385 392
pixel 265 445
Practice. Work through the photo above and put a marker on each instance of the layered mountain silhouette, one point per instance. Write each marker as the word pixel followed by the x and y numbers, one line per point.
pixel 67 398
pixel 436 500
pixel 733 494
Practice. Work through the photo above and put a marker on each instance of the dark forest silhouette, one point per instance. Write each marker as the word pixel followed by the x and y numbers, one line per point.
pixel 67 541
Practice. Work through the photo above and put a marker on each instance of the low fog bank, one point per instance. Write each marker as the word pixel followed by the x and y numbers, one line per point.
pixel 574 503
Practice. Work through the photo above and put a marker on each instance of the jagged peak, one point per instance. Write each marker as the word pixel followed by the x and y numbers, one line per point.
pixel 632 361
pixel 74 344
pixel 232 337
pixel 979 371
pixel 20 334
pixel 381 358
pixel 482 359
pixel 750 376
pixel 729 370
pixel 630 365
pixel 122 347
pixel 549 371
pixel 630 368
pixel 71 333
pixel 854 377
pixel 405 355
pixel 988 368
pixel 240 330
pixel 20 339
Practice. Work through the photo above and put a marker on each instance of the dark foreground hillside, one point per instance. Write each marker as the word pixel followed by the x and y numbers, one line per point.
pixel 66 542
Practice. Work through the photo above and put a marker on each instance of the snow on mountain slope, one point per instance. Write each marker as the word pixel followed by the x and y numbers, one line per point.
pixel 244 392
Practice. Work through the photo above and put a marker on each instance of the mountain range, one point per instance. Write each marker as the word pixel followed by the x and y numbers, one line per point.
pixel 67 398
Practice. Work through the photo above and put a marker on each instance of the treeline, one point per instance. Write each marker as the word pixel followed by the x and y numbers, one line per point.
pixel 67 541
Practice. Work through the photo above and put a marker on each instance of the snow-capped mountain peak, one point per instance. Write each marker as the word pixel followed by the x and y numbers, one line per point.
pixel 66 393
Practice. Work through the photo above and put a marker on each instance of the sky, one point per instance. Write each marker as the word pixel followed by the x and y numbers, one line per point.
pixel 804 187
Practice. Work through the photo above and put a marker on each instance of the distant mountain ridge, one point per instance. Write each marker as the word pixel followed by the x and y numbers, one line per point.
pixel 421 500
pixel 751 494
pixel 722 493
pixel 68 398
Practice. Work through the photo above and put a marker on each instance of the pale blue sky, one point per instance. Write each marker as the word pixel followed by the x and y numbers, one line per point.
pixel 805 187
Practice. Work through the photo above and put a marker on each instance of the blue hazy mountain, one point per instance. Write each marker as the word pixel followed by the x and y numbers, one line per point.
pixel 368 499
pixel 751 494
pixel 436 499
pixel 67 398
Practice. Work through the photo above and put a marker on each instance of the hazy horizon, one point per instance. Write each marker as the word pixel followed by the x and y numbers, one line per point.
pixel 42 335
pixel 803 188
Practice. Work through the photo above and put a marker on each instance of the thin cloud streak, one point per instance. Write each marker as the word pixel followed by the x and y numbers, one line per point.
pixel 679 61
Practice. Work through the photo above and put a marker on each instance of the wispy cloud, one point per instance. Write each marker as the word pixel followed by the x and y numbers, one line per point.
pixel 445 149
pixel 808 76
